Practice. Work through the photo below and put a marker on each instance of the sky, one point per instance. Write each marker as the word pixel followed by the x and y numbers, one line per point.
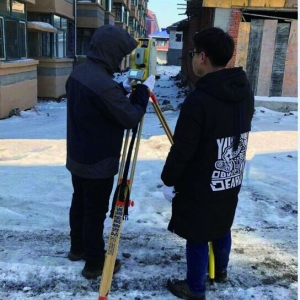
pixel 36 190
pixel 167 11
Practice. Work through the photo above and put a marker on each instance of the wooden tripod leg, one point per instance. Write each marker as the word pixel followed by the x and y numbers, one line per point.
pixel 124 154
pixel 115 233
pixel 161 117
pixel 163 122
pixel 136 151
pixel 112 250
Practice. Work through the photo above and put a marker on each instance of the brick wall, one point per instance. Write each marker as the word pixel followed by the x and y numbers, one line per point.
pixel 233 30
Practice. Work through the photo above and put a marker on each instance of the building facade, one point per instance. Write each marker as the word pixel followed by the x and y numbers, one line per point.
pixel 174 54
pixel 162 45
pixel 265 34
pixel 42 40
pixel 151 23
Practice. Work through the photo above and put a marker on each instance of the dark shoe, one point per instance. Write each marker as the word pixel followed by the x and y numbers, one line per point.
pixel 180 288
pixel 94 269
pixel 75 256
pixel 221 276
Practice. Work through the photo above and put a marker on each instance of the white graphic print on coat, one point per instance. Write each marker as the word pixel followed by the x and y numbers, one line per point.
pixel 230 165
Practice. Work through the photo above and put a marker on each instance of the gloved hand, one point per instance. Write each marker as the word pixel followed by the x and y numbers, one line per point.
pixel 169 192
pixel 149 82
pixel 127 85
pixel 140 96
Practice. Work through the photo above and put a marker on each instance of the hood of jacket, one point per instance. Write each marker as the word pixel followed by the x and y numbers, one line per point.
pixel 231 86
pixel 228 85
pixel 109 45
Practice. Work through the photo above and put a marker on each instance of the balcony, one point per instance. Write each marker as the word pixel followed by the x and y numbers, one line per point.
pixel 91 15
pixel 126 3
pixel 134 12
pixel 60 7
pixel 142 22
pixel 142 3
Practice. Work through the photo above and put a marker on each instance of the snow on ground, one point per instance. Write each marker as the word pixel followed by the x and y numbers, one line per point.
pixel 35 196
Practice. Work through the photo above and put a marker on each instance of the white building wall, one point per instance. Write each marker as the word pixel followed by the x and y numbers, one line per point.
pixel 222 17
pixel 162 57
pixel 173 43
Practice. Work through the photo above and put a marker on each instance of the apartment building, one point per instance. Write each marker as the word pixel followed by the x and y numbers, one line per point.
pixel 152 23
pixel 42 40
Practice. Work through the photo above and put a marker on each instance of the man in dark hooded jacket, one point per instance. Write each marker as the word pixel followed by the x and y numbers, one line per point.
pixel 98 111
pixel 204 168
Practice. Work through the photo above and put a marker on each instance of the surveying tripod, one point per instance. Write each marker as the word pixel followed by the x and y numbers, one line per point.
pixel 122 201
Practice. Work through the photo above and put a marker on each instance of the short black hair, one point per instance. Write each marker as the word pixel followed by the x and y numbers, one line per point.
pixel 217 44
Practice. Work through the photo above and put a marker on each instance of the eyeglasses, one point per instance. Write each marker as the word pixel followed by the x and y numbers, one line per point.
pixel 192 53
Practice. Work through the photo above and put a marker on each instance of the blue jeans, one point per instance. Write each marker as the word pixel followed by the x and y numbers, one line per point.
pixel 197 261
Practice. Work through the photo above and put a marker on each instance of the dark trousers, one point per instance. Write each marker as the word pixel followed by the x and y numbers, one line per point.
pixel 87 215
pixel 197 261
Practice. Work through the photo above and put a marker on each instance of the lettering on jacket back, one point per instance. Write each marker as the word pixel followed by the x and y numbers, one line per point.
pixel 229 166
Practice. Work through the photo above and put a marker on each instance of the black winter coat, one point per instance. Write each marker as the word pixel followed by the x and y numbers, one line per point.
pixel 98 110
pixel 207 160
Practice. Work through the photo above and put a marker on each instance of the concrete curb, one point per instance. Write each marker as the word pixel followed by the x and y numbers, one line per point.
pixel 282 104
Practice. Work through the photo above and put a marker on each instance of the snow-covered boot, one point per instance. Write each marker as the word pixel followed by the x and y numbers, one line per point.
pixel 75 256
pixel 221 276
pixel 93 269
pixel 180 288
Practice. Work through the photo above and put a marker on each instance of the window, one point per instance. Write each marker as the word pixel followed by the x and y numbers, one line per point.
pixel 11 29
pixel 70 39
pixel 13 44
pixel 56 21
pixel 18 9
pixel 5 7
pixel 161 42
pixel 22 30
pixel 45 44
pixel 93 1
pixel 64 24
pixel 39 43
pixel 60 38
pixel 133 23
pixel 2 43
pixel 108 5
pixel 39 17
pixel 84 36
pixel 178 37
pixel 59 44
pixel 118 12
pixel 126 16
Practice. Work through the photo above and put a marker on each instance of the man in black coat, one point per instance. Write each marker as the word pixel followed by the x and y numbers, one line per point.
pixel 98 111
pixel 204 169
